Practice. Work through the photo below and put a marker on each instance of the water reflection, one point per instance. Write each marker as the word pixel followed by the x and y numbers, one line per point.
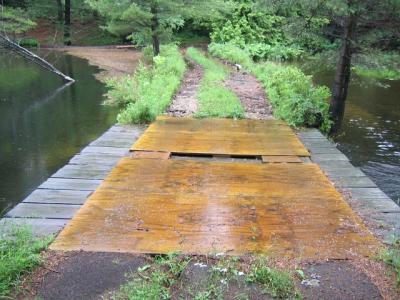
pixel 371 128
pixel 43 122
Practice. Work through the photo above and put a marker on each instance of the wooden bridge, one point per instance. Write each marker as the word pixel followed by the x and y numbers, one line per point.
pixel 187 186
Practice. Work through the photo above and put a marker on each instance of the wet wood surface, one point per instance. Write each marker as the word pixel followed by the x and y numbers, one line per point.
pixel 161 206
pixel 220 136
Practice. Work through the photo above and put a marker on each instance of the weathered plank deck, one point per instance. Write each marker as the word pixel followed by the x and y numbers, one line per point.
pixel 55 201
pixel 380 213
pixel 285 209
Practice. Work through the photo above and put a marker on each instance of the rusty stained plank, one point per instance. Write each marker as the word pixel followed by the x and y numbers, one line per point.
pixel 220 136
pixel 281 159
pixel 162 206
pixel 151 154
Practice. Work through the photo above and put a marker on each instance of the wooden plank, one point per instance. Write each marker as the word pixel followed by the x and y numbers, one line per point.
pixel 82 172
pixel 151 154
pixel 49 211
pixel 354 182
pixel 39 227
pixel 106 150
pixel 281 159
pixel 162 206
pixel 104 160
pixel 70 184
pixel 220 136
pixel 112 142
pixel 329 157
pixel 44 196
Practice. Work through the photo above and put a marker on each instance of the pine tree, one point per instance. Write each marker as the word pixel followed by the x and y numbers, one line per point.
pixel 359 25
pixel 153 20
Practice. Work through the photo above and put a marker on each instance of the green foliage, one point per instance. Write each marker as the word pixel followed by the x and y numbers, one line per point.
pixel 264 35
pixel 14 20
pixel 147 93
pixel 276 283
pixel 45 9
pixel 293 95
pixel 391 257
pixel 246 25
pixel 215 100
pixel 153 281
pixel 19 253
pixel 378 65
pixel 133 19
pixel 29 43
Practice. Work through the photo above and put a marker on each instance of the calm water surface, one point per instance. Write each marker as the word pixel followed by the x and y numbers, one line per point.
pixel 43 123
pixel 371 129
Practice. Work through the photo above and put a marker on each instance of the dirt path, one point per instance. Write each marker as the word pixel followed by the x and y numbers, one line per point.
pixel 251 95
pixel 115 62
pixel 185 101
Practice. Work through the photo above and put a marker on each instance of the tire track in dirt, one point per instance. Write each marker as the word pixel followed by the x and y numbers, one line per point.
pixel 185 102
pixel 251 95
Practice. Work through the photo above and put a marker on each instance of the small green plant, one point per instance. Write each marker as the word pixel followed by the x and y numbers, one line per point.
pixel 147 93
pixel 215 100
pixel 153 281
pixel 276 283
pixel 391 257
pixel 19 254
pixel 292 94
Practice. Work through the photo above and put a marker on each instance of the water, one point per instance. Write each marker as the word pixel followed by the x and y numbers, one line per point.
pixel 42 123
pixel 371 129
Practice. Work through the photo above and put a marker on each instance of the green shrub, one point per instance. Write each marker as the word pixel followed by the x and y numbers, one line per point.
pixel 147 93
pixel 29 43
pixel 215 100
pixel 19 253
pixel 292 94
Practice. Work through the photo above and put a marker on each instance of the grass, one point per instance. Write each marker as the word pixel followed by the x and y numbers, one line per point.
pixel 19 254
pixel 148 93
pixel 153 281
pixel 292 94
pixel 391 257
pixel 275 282
pixel 162 275
pixel 215 100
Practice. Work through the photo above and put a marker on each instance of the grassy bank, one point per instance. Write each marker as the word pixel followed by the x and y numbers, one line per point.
pixel 292 94
pixel 149 91
pixel 19 254
pixel 215 100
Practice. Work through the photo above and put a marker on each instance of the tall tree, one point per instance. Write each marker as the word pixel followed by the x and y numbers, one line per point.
pixel 359 25
pixel 152 20
pixel 60 13
pixel 67 23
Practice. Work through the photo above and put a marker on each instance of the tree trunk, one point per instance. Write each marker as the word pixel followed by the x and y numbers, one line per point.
pixel 67 23
pixel 154 30
pixel 60 11
pixel 342 77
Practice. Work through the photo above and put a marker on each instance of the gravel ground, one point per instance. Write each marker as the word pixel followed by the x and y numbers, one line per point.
pixel 251 95
pixel 185 101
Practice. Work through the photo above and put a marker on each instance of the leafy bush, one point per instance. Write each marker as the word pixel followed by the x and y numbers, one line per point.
pixel 215 100
pixel 147 93
pixel 294 97
pixel 248 25
pixel 29 43
pixel 19 253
